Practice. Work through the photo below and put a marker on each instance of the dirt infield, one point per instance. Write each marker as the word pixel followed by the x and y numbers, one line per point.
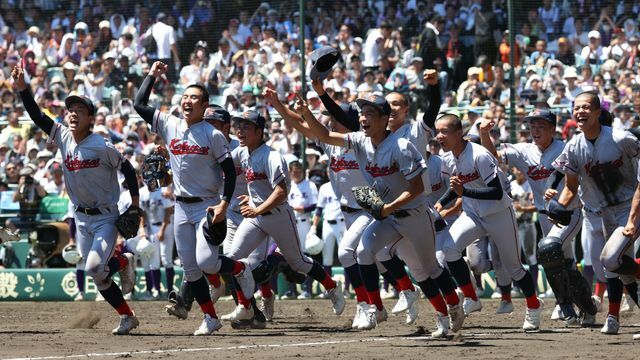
pixel 300 328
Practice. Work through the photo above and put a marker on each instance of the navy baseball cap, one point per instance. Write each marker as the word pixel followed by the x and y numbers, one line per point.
pixel 541 114
pixel 74 99
pixel 378 101
pixel 322 61
pixel 217 113
pixel 251 116
pixel 349 110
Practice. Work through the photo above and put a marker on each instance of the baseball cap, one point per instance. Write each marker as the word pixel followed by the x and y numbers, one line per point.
pixel 251 116
pixel 377 101
pixel 541 114
pixel 218 114
pixel 594 34
pixel 81 26
pixel 73 99
pixel 322 61
pixel 104 24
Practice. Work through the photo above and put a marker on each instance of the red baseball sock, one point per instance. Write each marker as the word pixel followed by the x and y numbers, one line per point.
pixel 469 292
pixel 452 298
pixel 124 309
pixel 328 282
pixel 405 283
pixel 208 308
pixel 361 294
pixel 265 289
pixel 439 304
pixel 374 298
pixel 122 261
pixel 614 309
pixel 637 261
pixel 214 279
pixel 238 267
pixel 601 287
pixel 506 296
pixel 242 299
pixel 532 302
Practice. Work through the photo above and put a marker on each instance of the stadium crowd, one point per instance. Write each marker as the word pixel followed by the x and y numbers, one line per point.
pixel 103 49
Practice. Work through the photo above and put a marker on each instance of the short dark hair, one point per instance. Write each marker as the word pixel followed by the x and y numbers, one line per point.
pixel 294 164
pixel 405 98
pixel 453 119
pixel 203 91
pixel 593 97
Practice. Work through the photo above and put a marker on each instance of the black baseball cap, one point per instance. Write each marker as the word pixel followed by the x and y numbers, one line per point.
pixel 541 114
pixel 322 61
pixel 219 114
pixel 251 116
pixel 378 101
pixel 73 99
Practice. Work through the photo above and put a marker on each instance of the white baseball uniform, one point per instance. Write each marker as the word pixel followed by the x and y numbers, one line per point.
pixel 155 206
pixel 303 194
pixel 333 226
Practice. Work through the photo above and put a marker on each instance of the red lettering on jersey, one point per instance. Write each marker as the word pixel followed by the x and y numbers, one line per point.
pixel 436 187
pixel 339 164
pixel 239 170
pixel 74 164
pixel 377 171
pixel 253 176
pixel 179 147
pixel 465 178
pixel 540 172
pixel 603 167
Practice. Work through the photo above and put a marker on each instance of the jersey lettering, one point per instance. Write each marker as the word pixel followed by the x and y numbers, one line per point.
pixel 436 187
pixel 377 171
pixel 539 172
pixel 253 176
pixel 465 178
pixel 179 147
pixel 74 164
pixel 339 164
pixel 601 168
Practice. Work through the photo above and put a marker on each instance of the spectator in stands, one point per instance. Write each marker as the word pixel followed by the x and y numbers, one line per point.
pixel 29 194
pixel 11 169
pixel 166 45
pixel 55 183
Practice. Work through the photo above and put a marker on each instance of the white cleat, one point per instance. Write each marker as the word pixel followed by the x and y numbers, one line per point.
pixel 496 294
pixel 381 315
pixel 532 318
pixel 391 294
pixel 79 297
pixel 246 282
pixel 548 294
pixel 611 326
pixel 128 274
pixel 361 312
pixel 267 307
pixel 506 307
pixel 456 313
pixel 208 326
pixel 557 313
pixel 337 298
pixel 127 323
pixel 216 292
pixel 442 323
pixel 127 296
pixel 368 319
pixel 469 305
pixel 99 297
pixel 598 302
pixel 627 304
pixel 239 313
pixel 406 300
pixel 412 314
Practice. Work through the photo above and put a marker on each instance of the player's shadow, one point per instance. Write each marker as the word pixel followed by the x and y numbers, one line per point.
pixel 30 332
pixel 439 343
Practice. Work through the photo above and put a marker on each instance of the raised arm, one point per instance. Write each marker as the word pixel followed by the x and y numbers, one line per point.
pixel 321 132
pixel 334 109
pixel 435 98
pixel 485 139
pixel 142 97
pixel 290 117
pixel 42 121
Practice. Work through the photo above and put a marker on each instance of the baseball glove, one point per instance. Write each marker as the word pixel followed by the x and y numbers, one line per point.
pixel 214 233
pixel 369 200
pixel 129 222
pixel 558 213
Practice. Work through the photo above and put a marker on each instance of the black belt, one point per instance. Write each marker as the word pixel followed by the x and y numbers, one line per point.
pixel 156 224
pixel 88 211
pixel 333 222
pixel 401 213
pixel 188 200
pixel 301 220
pixel 348 210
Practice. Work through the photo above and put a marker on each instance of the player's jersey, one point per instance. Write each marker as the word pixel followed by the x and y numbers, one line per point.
pixel 522 194
pixel 303 194
pixel 389 166
pixel 607 168
pixel 536 165
pixel 329 202
pixel 195 152
pixel 263 169
pixel 476 167
pixel 154 205
pixel 344 173
pixel 439 184
pixel 418 133
pixel 90 168
pixel 241 180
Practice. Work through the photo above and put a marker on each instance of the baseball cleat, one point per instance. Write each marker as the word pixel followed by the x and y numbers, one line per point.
pixel 145 296
pixel 239 313
pixel 368 321
pixel 128 296
pixel 611 326
pixel 412 314
pixel 406 300
pixel 267 307
pixel 177 307
pixel 557 313
pixel 216 292
pixel 361 312
pixel 257 322
pixel 99 297
pixel 627 304
pixel 128 274
pixel 598 302
pixel 127 323
pixel 496 294
pixel 305 295
pixel 246 282
pixel 208 326
pixel 337 298
pixel 506 307
pixel 586 319
pixel 456 314
pixel 442 323
pixel 391 294
pixel 469 305
pixel 79 297
pixel 532 318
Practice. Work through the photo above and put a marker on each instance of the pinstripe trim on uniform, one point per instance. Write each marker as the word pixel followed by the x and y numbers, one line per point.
pixel 154 121
pixel 297 236
pixel 491 177
pixel 514 224
pixel 278 179
pixel 226 155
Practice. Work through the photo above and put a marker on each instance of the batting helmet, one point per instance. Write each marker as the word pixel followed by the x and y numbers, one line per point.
pixel 145 247
pixel 313 245
pixel 71 254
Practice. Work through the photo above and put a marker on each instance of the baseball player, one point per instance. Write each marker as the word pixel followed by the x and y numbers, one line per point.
pixel 474 175
pixel 555 251
pixel 600 165
pixel 91 168
pixel 267 212
pixel 394 168
pixel 199 155
pixel 333 228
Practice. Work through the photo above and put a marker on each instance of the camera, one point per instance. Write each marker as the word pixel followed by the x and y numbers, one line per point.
pixel 28 180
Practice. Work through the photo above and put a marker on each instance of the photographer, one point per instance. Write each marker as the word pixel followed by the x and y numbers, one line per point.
pixel 29 194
